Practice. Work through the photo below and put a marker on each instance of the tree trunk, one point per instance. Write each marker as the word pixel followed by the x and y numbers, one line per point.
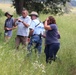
pixel 19 6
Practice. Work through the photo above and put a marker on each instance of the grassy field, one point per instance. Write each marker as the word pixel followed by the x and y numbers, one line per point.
pixel 14 62
pixel 7 7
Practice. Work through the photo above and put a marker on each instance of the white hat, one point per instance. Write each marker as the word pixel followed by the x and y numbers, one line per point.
pixel 7 13
pixel 34 13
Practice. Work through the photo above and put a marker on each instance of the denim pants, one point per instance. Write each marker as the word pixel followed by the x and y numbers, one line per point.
pixel 51 50
pixel 37 40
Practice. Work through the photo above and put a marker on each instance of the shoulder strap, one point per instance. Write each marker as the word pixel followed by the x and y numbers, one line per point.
pixel 38 24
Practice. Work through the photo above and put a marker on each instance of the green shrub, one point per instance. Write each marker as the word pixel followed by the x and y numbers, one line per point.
pixel 15 15
pixel 1 12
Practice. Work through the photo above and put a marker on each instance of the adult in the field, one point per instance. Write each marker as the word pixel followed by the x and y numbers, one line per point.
pixel 8 27
pixel 23 23
pixel 36 32
pixel 51 40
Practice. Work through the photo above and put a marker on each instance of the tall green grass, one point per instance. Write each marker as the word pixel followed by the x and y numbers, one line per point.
pixel 13 62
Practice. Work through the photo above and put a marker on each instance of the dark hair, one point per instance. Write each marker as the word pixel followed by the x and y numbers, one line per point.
pixel 52 20
pixel 8 14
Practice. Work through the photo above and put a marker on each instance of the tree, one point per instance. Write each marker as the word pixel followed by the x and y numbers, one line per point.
pixel 18 5
pixel 52 6
pixel 67 8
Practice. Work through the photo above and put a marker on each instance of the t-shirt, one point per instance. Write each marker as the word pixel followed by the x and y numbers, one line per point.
pixel 23 30
pixel 9 23
pixel 37 26
pixel 52 35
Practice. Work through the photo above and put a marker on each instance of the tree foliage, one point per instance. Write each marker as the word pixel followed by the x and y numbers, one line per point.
pixel 45 6
pixel 1 13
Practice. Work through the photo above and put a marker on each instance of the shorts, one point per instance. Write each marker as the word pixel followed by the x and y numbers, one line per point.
pixel 8 33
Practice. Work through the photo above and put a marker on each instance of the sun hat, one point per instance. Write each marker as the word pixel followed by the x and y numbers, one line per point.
pixel 34 13
pixel 7 13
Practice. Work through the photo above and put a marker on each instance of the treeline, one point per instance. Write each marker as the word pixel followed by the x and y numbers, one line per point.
pixel 44 6
pixel 41 6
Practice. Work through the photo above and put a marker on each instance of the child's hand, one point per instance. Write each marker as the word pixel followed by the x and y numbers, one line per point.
pixel 7 28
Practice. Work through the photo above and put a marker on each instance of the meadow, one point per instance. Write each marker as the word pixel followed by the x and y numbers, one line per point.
pixel 13 62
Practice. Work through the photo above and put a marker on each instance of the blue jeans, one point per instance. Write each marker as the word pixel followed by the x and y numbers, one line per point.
pixel 37 40
pixel 51 50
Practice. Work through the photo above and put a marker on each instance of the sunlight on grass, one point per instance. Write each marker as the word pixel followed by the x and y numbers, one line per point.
pixel 7 8
pixel 13 62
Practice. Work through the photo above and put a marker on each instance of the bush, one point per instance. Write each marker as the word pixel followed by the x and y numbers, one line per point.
pixel 1 13
pixel 15 15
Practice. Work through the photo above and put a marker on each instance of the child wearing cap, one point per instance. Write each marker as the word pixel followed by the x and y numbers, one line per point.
pixel 8 26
